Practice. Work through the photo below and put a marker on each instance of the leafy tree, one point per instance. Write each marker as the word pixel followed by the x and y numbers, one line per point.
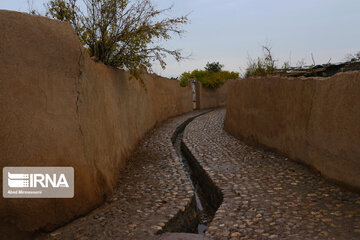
pixel 120 33
pixel 214 67
pixel 208 79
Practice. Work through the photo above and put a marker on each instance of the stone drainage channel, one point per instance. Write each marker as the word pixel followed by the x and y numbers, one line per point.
pixel 207 196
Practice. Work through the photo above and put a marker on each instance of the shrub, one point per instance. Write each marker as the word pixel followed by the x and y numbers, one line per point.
pixel 262 66
pixel 208 79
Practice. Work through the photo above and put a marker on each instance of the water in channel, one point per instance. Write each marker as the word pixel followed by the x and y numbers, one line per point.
pixel 205 211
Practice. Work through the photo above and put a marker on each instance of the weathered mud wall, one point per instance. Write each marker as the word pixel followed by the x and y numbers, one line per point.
pixel 59 108
pixel 313 120
pixel 209 98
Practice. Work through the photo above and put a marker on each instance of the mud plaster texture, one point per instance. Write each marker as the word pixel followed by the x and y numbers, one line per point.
pixel 59 108
pixel 312 120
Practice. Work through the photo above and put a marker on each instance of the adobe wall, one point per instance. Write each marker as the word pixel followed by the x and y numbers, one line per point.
pixel 59 108
pixel 210 98
pixel 312 120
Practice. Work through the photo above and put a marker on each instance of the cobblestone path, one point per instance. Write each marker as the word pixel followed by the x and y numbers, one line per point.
pixel 267 196
pixel 151 190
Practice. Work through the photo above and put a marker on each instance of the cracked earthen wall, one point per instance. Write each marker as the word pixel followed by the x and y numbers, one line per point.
pixel 312 120
pixel 59 108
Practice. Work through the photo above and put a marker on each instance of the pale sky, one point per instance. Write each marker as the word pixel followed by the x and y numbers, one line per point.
pixel 229 31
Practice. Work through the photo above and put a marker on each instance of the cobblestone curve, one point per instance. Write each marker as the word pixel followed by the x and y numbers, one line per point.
pixel 151 190
pixel 267 196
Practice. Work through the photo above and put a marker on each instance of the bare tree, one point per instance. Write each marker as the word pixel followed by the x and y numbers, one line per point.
pixel 31 9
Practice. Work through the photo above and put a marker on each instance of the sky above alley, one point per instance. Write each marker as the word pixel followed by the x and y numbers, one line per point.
pixel 229 31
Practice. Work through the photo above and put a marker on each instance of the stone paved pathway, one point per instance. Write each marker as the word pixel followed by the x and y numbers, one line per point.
pixel 151 190
pixel 267 196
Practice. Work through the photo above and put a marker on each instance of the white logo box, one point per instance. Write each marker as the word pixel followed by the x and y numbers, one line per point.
pixel 38 182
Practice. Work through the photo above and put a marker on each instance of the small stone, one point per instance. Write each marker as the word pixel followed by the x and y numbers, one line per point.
pixel 156 227
pixel 54 234
pixel 326 220
pixel 235 234
pixel 325 234
pixel 338 214
pixel 212 228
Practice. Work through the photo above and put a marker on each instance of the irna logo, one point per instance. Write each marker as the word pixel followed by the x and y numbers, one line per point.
pixel 38 182
pixel 18 180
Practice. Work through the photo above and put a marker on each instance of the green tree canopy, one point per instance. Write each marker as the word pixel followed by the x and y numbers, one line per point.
pixel 209 79
pixel 121 33
pixel 214 67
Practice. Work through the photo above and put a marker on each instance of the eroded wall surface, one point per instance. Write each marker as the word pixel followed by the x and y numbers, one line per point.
pixel 59 108
pixel 312 120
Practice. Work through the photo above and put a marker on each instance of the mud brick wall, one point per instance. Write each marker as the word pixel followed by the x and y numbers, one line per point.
pixel 60 108
pixel 209 98
pixel 312 120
